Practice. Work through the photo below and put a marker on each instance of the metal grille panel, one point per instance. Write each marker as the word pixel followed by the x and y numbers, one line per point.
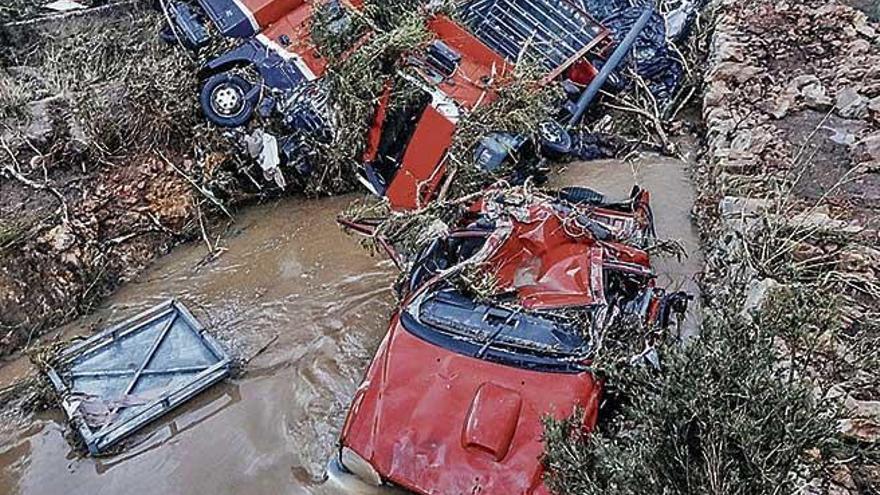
pixel 127 376
pixel 551 32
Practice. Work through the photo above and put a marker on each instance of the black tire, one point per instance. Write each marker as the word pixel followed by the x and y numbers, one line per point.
pixel 581 195
pixel 555 140
pixel 223 100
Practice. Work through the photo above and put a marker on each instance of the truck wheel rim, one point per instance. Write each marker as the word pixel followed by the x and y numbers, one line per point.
pixel 551 133
pixel 227 100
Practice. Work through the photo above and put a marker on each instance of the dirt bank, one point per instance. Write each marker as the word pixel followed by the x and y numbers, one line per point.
pixel 105 163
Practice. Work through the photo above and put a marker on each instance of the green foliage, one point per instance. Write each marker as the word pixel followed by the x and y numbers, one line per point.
pixel 354 84
pixel 132 94
pixel 389 14
pixel 335 33
pixel 11 230
pixel 14 95
pixel 731 413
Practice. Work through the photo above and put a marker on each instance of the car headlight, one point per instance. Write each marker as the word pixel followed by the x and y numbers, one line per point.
pixel 359 467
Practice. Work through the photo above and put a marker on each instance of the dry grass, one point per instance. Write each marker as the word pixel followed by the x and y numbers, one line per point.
pixel 14 96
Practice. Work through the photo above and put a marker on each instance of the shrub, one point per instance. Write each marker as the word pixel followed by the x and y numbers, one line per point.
pixel 730 413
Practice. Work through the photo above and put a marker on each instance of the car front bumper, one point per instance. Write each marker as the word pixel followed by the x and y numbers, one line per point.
pixel 340 480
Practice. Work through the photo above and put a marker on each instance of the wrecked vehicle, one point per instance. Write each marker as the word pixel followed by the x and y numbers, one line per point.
pixel 461 69
pixel 277 47
pixel 472 53
pixel 454 398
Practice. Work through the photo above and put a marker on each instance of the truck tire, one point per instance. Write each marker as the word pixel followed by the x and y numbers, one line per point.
pixel 555 140
pixel 223 100
pixel 581 195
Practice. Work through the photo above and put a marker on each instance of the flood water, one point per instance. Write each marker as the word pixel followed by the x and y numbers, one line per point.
pixel 290 282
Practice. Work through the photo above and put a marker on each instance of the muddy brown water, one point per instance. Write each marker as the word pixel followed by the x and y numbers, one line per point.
pixel 290 279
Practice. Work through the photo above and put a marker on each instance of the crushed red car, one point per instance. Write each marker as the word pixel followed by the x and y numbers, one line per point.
pixel 454 398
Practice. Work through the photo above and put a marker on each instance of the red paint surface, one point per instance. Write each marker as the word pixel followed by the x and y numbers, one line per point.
pixel 551 265
pixel 295 25
pixel 582 72
pixel 470 85
pixel 434 421
pixel 422 169
pixel 291 18
pixel 266 12
pixel 491 420
pixel 548 265
pixel 438 422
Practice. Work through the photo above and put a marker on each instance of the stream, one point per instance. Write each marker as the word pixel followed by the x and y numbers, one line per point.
pixel 306 307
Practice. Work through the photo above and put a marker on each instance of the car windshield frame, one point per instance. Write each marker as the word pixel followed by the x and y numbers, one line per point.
pixel 457 323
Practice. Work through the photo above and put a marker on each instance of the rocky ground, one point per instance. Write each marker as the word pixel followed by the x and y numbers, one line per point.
pixel 790 190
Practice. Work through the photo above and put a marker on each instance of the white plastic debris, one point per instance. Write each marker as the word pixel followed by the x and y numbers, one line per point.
pixel 263 147
pixel 64 6
pixel 269 160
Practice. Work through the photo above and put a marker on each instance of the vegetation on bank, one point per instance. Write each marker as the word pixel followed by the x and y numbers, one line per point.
pixel 731 412
pixel 100 138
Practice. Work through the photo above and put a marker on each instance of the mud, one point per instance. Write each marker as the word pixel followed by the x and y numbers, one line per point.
pixel 292 282
pixel 288 272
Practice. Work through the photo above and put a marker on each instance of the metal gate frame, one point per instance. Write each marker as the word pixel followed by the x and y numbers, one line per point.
pixel 63 373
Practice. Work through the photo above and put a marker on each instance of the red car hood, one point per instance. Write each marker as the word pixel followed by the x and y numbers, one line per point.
pixel 434 421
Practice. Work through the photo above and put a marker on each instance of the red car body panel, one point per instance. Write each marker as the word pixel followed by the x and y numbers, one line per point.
pixel 554 265
pixel 469 84
pixel 293 26
pixel 266 12
pixel 548 267
pixel 434 421
pixel 422 166
pixel 286 25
